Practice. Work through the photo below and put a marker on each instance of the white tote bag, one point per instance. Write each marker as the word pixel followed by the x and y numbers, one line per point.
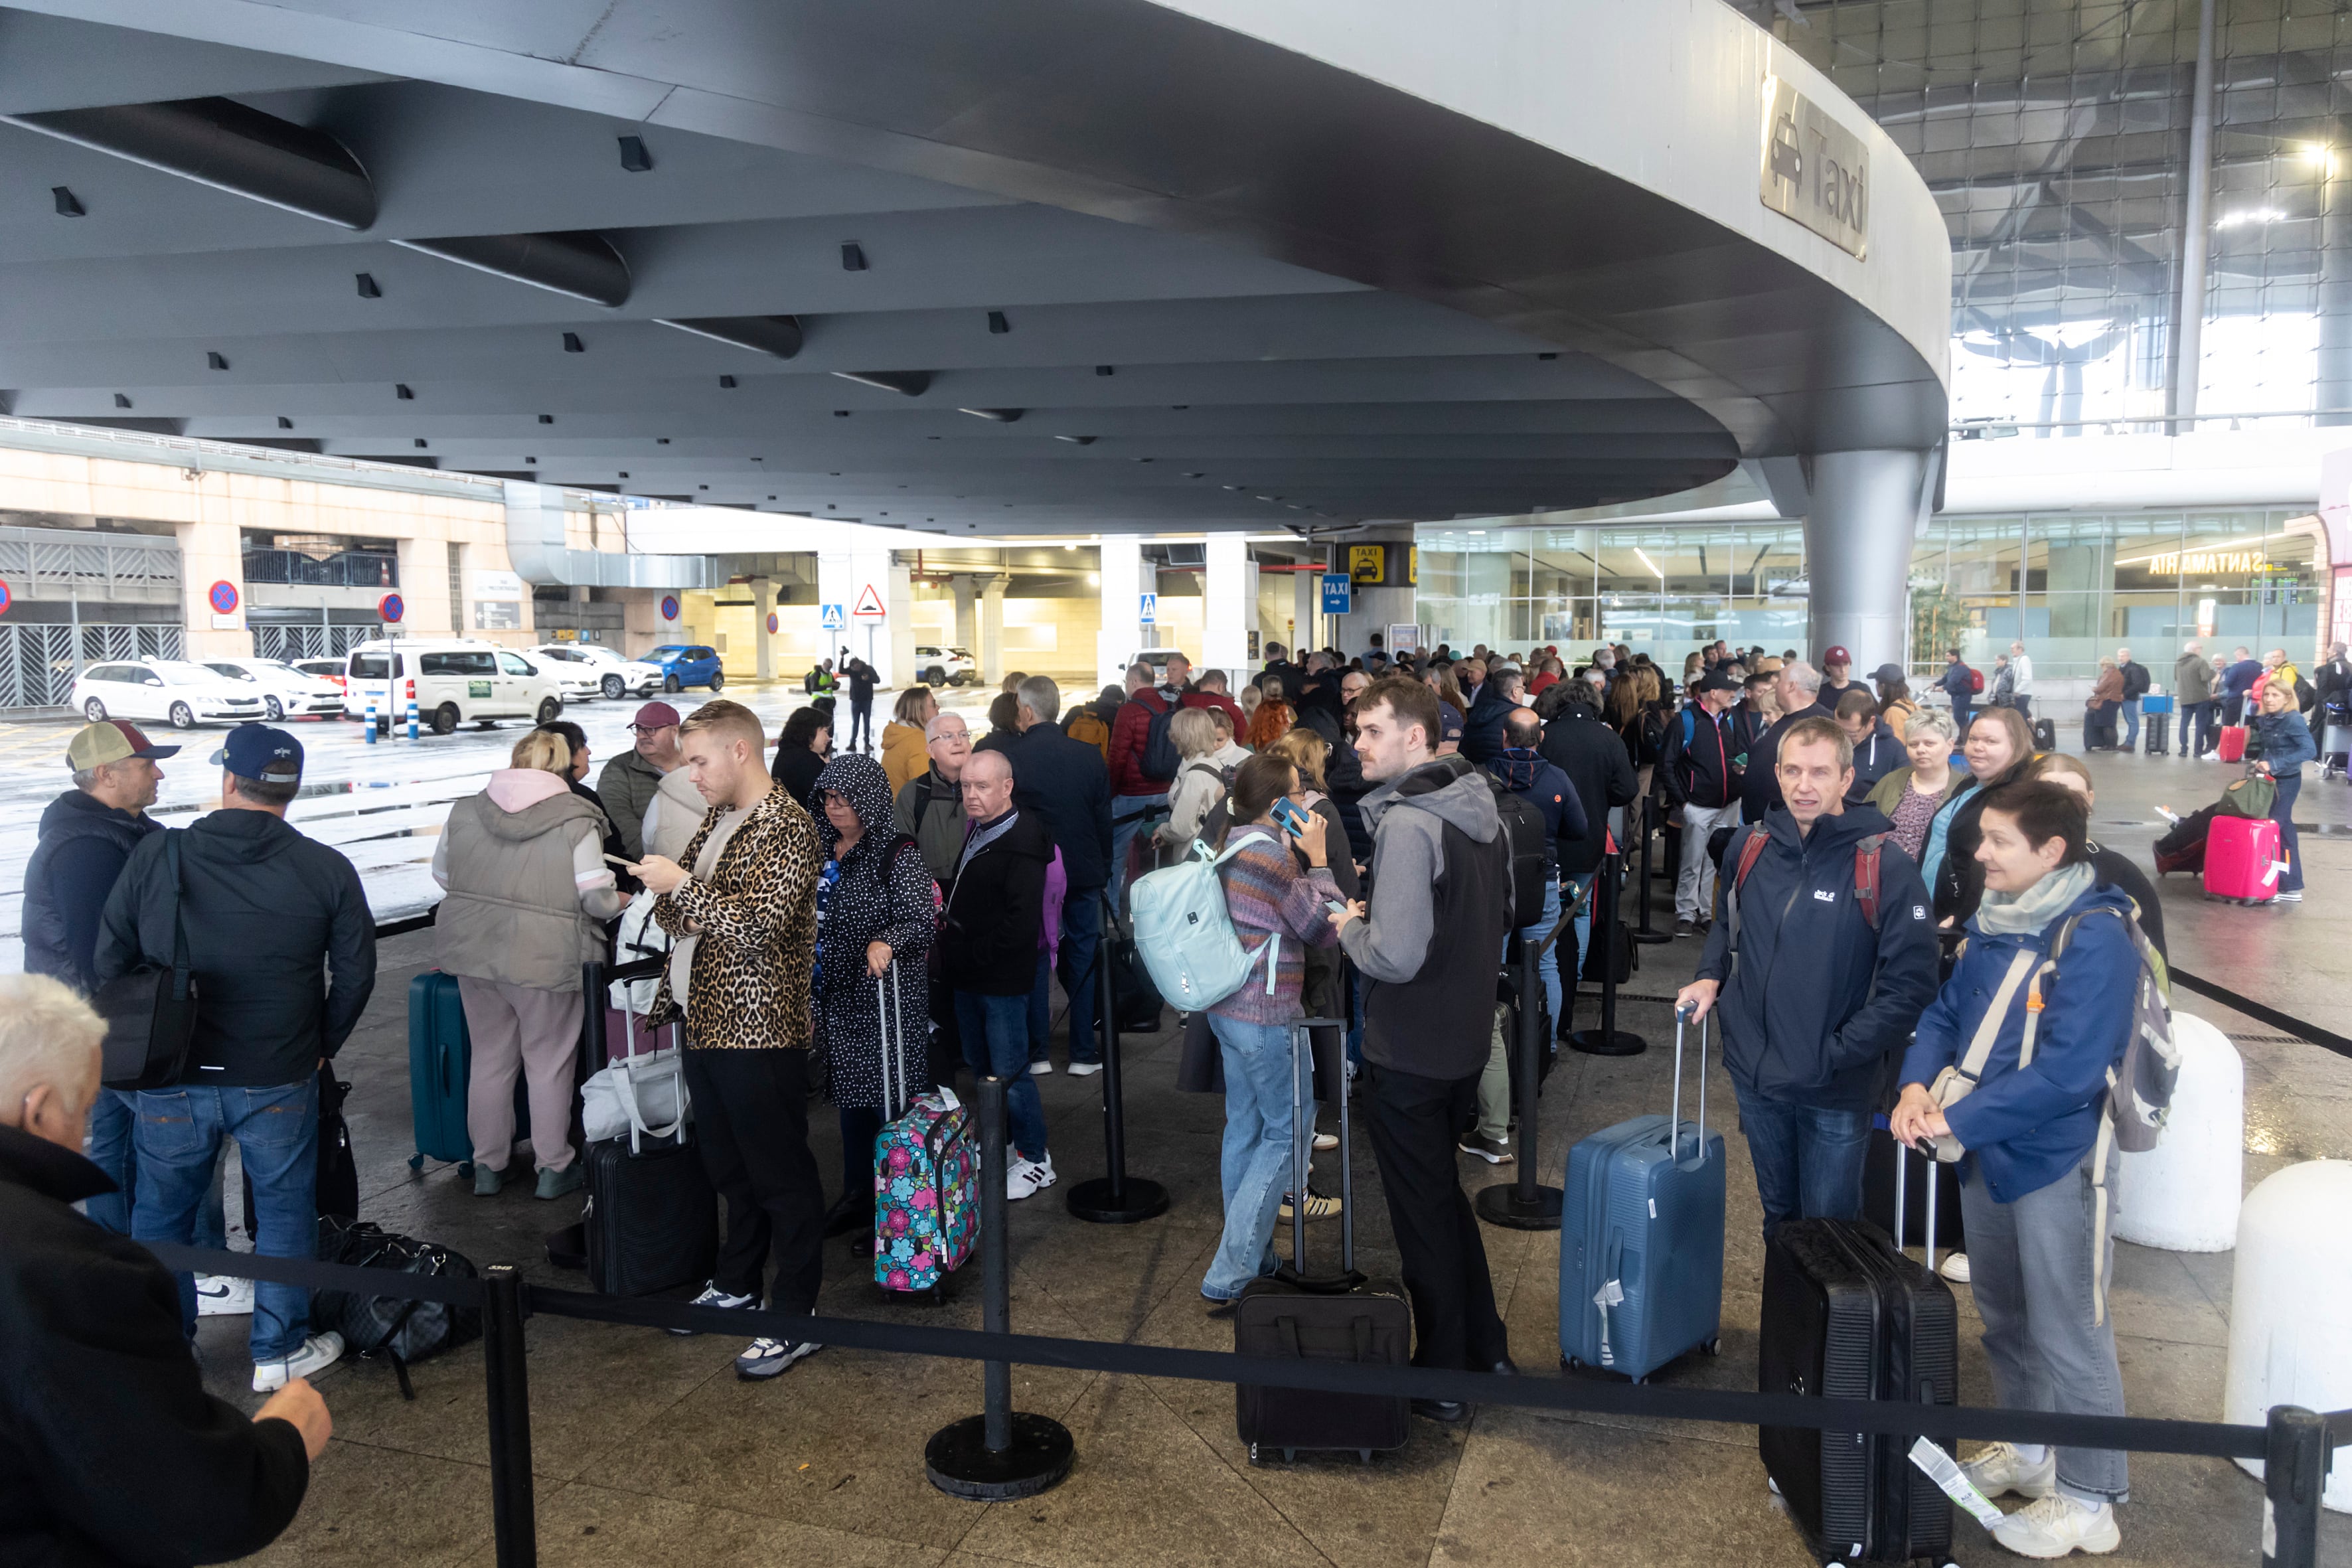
pixel 642 1094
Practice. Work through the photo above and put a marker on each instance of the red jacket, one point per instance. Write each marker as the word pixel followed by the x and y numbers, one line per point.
pixel 1213 700
pixel 1128 733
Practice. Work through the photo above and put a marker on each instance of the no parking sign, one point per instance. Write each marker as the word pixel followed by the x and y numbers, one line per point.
pixel 222 597
pixel 7 597
pixel 669 606
pixel 773 623
pixel 391 608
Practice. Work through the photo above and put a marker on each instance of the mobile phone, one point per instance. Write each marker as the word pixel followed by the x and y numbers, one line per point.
pixel 1287 813
pixel 1335 906
pixel 622 861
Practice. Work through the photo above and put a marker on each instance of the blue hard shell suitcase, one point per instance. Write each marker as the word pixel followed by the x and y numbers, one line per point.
pixel 439 1056
pixel 1641 1257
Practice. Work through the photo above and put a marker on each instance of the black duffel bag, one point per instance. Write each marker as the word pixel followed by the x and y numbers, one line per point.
pixel 399 1331
pixel 150 1010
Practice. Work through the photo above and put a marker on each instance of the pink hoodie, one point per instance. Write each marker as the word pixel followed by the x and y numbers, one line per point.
pixel 519 789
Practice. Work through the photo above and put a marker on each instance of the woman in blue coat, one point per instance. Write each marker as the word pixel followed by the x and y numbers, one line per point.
pixel 2283 744
pixel 2037 1192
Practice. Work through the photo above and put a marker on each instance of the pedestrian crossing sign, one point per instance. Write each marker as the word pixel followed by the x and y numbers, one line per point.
pixel 830 617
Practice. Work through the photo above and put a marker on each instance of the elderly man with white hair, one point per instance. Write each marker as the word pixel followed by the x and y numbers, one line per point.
pixel 1797 687
pixel 110 1450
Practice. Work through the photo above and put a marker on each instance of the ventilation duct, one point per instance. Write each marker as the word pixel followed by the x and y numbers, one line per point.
pixel 578 263
pixel 220 142
pixel 779 336
pixel 913 383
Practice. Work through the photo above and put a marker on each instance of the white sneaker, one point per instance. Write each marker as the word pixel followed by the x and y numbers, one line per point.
pixel 318 1354
pixel 2058 1526
pixel 712 1296
pixel 1955 1268
pixel 1998 1471
pixel 1040 1066
pixel 1028 1177
pixel 220 1296
pixel 1084 1069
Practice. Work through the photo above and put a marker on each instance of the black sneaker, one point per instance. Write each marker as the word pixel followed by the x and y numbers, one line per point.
pixel 765 1358
pixel 1452 1412
pixel 1683 927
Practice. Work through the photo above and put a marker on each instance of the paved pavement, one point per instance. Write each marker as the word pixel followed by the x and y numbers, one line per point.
pixel 380 805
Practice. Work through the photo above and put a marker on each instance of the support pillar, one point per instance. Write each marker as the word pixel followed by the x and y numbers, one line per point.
pixel 1229 608
pixel 763 605
pixel 1306 599
pixel 1864 515
pixel 991 629
pixel 2188 310
pixel 967 592
pixel 1121 571
pixel 212 551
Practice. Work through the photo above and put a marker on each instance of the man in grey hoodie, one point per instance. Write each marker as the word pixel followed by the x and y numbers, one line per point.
pixel 1439 912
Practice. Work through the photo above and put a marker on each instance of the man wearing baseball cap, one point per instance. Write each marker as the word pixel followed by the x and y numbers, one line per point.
pixel 631 780
pixel 1836 678
pixel 267 913
pixel 86 835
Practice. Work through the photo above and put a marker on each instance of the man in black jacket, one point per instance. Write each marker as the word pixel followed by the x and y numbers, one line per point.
pixel 2136 682
pixel 111 1453
pixel 1821 972
pixel 267 913
pixel 1702 787
pixel 1064 783
pixel 86 838
pixel 993 953
pixel 1425 941
pixel 1595 759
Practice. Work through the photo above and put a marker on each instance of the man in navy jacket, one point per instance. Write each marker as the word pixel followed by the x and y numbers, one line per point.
pixel 1822 996
pixel 1062 783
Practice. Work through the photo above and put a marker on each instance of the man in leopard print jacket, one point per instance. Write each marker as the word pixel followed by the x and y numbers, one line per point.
pixel 744 908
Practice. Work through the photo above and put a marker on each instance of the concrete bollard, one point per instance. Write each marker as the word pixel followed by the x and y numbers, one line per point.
pixel 412 718
pixel 2291 1304
pixel 2183 1195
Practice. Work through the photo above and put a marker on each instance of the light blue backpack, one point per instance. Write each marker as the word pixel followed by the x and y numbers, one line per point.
pixel 1185 937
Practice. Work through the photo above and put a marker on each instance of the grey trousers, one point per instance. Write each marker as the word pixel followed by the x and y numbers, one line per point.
pixel 2030 1267
pixel 521 1030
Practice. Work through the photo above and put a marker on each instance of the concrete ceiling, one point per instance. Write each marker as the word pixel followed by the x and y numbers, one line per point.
pixel 1176 306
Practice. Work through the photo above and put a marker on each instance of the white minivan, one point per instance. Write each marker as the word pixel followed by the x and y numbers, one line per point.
pixel 452 682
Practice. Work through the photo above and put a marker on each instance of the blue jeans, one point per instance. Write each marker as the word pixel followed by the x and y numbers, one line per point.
pixel 1547 966
pixel 2290 847
pixel 2131 724
pixel 1808 1159
pixel 1082 910
pixel 108 1145
pixel 1259 1151
pixel 1122 833
pixel 1580 885
pixel 996 1040
pixel 277 1131
pixel 2203 714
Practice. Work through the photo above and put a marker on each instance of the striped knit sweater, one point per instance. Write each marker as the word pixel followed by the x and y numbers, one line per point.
pixel 1265 892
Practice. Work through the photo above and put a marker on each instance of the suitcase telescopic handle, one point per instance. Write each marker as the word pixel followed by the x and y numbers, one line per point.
pixel 1675 1115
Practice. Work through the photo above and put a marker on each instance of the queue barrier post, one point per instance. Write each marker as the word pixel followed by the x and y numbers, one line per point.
pixel 371 719
pixel 1002 1454
pixel 412 718
pixel 1116 1198
pixel 1643 933
pixel 514 1515
pixel 2296 1457
pixel 1522 1204
pixel 1608 1041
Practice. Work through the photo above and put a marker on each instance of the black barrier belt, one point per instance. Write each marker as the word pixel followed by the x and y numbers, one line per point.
pixel 2325 1039
pixel 1948 1422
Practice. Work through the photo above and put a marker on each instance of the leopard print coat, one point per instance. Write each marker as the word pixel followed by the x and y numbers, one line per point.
pixel 757 913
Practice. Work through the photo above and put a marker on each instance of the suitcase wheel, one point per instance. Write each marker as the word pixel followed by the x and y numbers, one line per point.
pixel 465 1169
pixel 416 1162
pixel 1570 1363
pixel 1365 1454
pixel 1290 1456
pixel 1712 1347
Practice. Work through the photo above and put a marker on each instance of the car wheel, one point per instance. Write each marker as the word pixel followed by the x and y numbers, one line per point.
pixel 935 675
pixel 94 710
pixel 669 683
pixel 550 710
pixel 614 688
pixel 273 708
pixel 183 716
pixel 444 718
pixel 718 681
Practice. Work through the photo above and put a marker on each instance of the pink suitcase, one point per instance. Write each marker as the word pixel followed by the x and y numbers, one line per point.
pixel 2242 860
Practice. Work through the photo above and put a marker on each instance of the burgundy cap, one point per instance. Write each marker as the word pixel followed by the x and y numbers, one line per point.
pixel 654 716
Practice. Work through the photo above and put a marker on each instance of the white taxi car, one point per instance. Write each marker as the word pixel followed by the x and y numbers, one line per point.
pixel 173 689
pixel 597 670
pixel 286 692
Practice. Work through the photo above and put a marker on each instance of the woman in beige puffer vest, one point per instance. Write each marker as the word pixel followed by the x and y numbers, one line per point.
pixel 528 891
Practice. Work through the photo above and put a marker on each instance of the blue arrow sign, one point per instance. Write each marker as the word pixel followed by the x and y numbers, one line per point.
pixel 1339 592
pixel 830 619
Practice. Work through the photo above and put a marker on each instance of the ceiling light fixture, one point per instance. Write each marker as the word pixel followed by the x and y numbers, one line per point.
pixel 368 290
pixel 634 156
pixel 999 415
pixel 1077 440
pixel 726 383
pixel 853 258
pixel 547 419
pixel 213 361
pixel 121 401
pixel 68 204
pixel 284 423
pixel 906 382
pixel 400 390
pixel 573 345
pixel 997 323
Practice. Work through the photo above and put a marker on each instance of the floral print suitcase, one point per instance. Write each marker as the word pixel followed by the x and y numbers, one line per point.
pixel 926 1175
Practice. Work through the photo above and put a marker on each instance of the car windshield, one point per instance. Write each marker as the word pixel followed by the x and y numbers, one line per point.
pixel 674 650
pixel 278 664
pixel 232 671
pixel 179 672
pixel 590 653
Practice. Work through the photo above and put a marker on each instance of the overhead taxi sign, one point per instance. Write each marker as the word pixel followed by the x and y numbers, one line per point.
pixel 1814 169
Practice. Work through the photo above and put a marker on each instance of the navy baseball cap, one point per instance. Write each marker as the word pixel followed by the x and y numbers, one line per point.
pixel 1449 723
pixel 259 751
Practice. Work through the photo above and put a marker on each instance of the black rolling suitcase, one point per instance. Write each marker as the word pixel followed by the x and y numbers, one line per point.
pixel 1847 1316
pixel 1884 1178
pixel 651 1222
pixel 1342 1317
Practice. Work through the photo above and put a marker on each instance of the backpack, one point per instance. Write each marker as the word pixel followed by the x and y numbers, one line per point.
pixel 1086 726
pixel 1531 851
pixel 1159 760
pixel 401 1332
pixel 1186 938
pixel 808 681
pixel 1867 853
pixel 1975 681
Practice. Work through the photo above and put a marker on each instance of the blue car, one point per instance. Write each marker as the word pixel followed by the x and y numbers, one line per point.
pixel 683 664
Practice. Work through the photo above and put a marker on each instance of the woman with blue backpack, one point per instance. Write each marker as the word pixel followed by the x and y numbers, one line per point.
pixel 2010 1071
pixel 1277 912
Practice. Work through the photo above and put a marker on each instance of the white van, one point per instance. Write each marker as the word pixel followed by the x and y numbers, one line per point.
pixel 452 682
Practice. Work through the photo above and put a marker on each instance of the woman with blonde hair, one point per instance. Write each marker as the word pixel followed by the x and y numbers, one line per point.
pixel 1199 781
pixel 529 894
pixel 1916 797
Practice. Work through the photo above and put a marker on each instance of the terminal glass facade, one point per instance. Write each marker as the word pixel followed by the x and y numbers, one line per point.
pixel 2054 134
pixel 2074 587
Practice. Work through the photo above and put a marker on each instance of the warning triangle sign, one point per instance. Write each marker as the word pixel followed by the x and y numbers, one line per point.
pixel 869 603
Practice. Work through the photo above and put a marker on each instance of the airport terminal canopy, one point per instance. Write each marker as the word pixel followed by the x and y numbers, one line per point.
pixel 1051 264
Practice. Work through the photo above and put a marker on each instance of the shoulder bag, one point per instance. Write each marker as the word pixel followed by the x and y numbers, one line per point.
pixel 150 1010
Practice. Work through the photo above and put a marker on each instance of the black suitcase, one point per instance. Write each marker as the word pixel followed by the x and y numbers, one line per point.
pixel 1343 1317
pixel 651 1222
pixel 1847 1316
pixel 2045 734
pixel 1883 1182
